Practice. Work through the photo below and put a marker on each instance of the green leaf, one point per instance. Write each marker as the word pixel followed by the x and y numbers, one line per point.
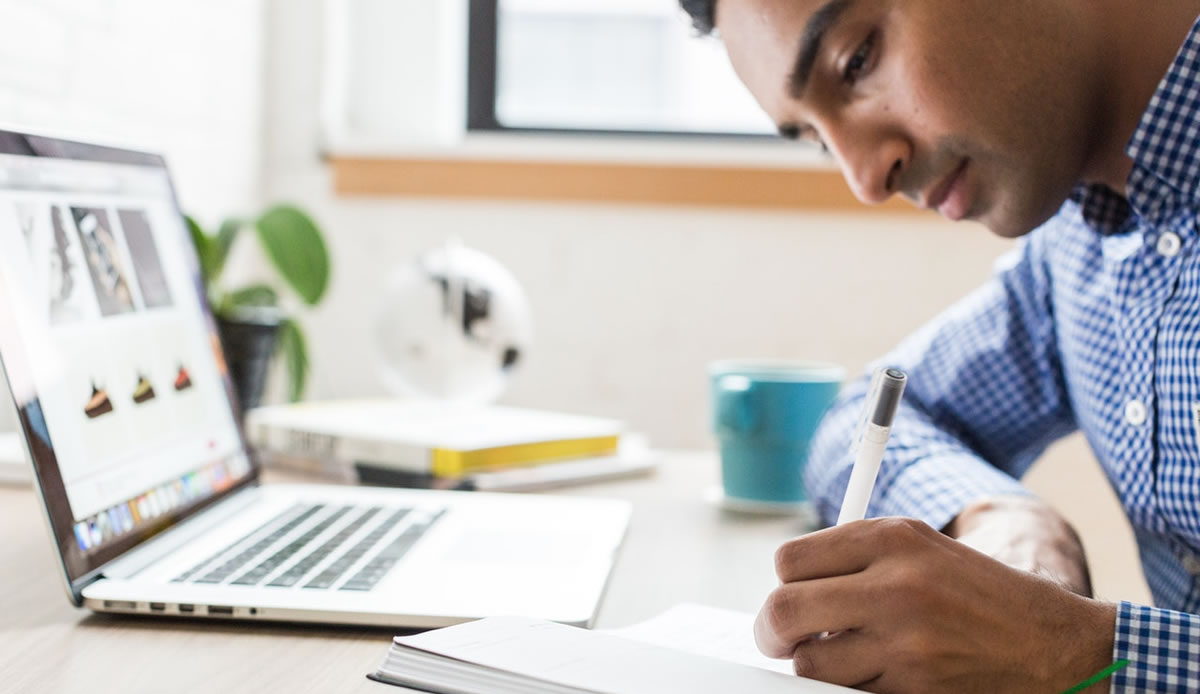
pixel 221 244
pixel 291 343
pixel 255 295
pixel 203 247
pixel 294 244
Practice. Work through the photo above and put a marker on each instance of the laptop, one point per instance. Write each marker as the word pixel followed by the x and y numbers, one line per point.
pixel 152 497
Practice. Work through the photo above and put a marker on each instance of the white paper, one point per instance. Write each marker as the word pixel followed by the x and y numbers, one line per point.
pixel 708 631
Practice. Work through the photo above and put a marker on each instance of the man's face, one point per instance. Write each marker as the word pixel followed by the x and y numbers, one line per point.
pixel 975 108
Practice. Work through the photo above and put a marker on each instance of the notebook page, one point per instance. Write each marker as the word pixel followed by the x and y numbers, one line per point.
pixel 703 630
pixel 599 662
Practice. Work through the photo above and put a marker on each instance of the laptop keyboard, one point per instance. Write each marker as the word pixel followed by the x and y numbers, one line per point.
pixel 316 546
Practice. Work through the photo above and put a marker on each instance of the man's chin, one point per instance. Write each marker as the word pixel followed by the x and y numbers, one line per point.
pixel 1008 231
pixel 1008 224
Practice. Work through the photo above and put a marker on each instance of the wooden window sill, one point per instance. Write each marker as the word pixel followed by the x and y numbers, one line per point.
pixel 760 176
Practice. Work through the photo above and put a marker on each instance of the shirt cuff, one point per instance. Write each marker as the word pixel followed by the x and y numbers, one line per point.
pixel 937 489
pixel 1162 647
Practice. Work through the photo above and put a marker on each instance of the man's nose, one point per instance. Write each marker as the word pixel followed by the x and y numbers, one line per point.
pixel 873 166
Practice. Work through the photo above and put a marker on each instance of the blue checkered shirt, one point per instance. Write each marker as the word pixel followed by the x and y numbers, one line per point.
pixel 1092 323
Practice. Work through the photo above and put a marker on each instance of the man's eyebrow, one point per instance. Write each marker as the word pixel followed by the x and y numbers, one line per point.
pixel 810 43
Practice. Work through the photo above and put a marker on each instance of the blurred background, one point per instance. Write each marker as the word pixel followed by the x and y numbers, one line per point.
pixel 557 136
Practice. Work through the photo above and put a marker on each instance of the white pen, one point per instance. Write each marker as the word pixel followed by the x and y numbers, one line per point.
pixel 882 401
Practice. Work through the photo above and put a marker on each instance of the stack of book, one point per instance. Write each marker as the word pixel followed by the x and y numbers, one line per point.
pixel 427 444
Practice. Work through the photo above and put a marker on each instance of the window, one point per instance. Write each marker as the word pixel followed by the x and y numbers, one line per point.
pixel 623 66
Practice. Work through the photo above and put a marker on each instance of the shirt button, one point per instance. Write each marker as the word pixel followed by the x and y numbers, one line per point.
pixel 1191 564
pixel 1135 412
pixel 1169 244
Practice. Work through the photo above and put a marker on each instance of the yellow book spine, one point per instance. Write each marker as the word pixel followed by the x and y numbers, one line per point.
pixel 451 463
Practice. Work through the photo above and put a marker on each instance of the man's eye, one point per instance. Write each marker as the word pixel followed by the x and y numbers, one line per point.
pixel 809 134
pixel 804 133
pixel 858 61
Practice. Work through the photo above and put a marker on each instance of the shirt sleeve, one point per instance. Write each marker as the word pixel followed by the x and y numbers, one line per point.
pixel 985 397
pixel 1162 647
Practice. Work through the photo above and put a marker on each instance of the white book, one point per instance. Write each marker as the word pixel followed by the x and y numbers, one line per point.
pixel 444 439
pixel 689 648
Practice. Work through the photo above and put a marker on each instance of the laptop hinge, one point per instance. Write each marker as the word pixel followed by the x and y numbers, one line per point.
pixel 80 584
pixel 144 555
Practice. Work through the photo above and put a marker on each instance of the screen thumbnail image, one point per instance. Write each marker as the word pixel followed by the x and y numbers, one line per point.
pixel 98 403
pixel 143 390
pixel 183 379
pixel 57 261
pixel 109 276
pixel 139 238
pixel 27 220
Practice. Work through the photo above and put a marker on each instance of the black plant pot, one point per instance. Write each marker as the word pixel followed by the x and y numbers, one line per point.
pixel 248 338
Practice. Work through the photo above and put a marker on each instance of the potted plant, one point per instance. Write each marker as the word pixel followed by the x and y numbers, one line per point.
pixel 252 324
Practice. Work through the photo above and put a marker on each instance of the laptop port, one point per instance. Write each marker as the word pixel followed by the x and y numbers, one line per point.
pixel 187 609
pixel 120 605
pixel 220 609
pixel 158 606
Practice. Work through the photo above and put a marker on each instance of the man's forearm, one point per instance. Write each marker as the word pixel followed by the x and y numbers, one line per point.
pixel 1025 533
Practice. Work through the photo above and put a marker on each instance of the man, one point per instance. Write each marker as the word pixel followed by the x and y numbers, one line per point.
pixel 1076 125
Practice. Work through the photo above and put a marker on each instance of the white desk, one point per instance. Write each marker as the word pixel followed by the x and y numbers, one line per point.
pixel 679 548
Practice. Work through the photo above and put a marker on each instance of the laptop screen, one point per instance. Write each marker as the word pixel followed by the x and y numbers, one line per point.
pixel 110 351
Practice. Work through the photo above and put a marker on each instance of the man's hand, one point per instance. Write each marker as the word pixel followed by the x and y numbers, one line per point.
pixel 912 610
pixel 1026 534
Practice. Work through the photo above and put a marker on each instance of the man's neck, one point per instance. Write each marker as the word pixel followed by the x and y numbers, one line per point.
pixel 1139 40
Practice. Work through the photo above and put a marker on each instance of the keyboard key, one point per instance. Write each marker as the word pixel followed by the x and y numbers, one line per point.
pixel 192 571
pixel 342 564
pixel 379 566
pixel 231 566
pixel 268 565
pixel 298 571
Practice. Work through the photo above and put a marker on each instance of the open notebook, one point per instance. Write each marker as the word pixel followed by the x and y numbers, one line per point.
pixel 689 648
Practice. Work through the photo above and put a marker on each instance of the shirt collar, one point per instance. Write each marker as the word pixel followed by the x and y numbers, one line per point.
pixel 1101 208
pixel 1166 144
pixel 1165 149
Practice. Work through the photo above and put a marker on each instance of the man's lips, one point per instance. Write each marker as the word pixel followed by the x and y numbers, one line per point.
pixel 949 198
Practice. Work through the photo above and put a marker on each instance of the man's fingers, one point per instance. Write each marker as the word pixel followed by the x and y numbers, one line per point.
pixel 849 658
pixel 794 612
pixel 847 549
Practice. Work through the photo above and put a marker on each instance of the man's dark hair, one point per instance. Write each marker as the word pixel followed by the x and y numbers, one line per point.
pixel 703 14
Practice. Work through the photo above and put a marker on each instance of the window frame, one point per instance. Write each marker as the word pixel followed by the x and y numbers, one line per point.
pixel 482 64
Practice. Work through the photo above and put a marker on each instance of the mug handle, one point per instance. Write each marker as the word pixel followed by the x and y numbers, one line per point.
pixel 734 412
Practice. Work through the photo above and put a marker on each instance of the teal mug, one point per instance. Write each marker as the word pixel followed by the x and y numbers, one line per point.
pixel 765 413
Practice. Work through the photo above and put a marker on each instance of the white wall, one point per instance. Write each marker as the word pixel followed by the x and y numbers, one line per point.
pixel 181 78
